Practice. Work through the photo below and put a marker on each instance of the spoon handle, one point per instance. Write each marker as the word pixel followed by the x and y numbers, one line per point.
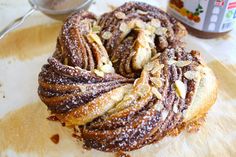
pixel 16 23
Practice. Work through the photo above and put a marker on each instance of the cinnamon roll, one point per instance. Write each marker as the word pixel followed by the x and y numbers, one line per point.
pixel 125 80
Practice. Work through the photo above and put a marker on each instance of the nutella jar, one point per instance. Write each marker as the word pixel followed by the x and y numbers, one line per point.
pixel 205 18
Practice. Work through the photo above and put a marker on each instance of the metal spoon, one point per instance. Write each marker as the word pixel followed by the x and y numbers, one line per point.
pixel 57 9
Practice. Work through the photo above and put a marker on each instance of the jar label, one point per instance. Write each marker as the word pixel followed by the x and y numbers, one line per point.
pixel 205 15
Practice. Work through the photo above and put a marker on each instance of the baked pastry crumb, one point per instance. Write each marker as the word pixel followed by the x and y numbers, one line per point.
pixel 125 80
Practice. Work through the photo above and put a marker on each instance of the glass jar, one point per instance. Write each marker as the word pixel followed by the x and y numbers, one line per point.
pixel 205 18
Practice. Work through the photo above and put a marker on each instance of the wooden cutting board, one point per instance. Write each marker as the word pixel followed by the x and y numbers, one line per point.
pixel 24 129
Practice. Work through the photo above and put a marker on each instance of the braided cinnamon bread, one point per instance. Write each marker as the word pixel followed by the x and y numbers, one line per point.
pixel 125 80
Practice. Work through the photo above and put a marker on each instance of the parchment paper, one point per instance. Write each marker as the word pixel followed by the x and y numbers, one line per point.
pixel 25 131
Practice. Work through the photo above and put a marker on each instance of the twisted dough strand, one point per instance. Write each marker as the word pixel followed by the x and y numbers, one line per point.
pixel 123 86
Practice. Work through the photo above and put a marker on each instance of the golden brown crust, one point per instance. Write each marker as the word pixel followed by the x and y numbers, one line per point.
pixel 197 118
pixel 206 95
pixel 125 81
pixel 95 108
